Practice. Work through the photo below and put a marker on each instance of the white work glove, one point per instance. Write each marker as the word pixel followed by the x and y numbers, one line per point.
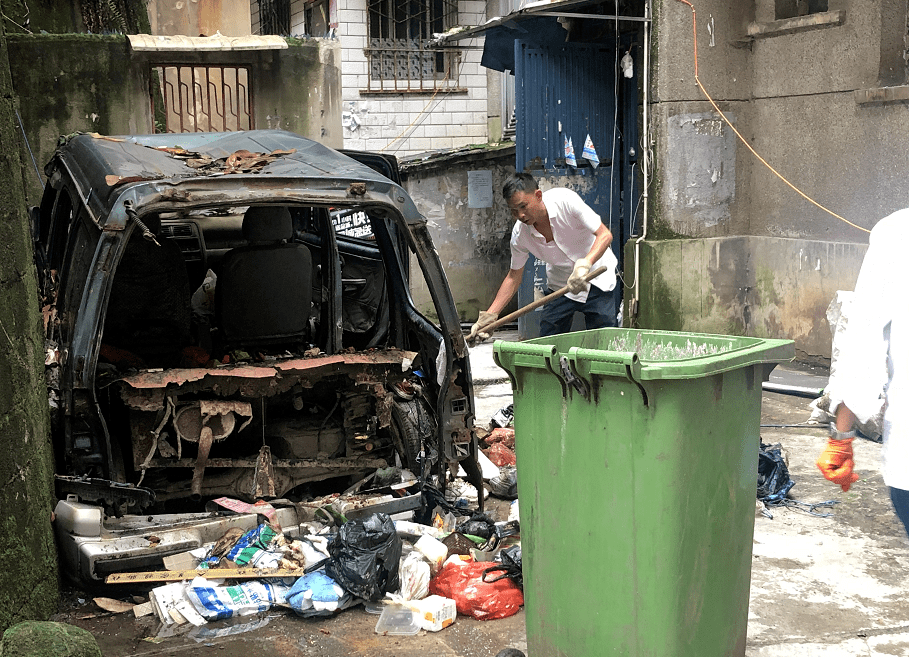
pixel 576 282
pixel 484 319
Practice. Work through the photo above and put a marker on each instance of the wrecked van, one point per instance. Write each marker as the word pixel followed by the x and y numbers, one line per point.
pixel 228 316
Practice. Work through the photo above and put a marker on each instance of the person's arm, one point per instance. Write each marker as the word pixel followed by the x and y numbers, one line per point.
pixel 507 290
pixel 602 240
pixel 845 418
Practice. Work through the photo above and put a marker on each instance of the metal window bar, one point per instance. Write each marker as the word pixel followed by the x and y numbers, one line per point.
pixel 399 31
pixel 274 17
pixel 188 98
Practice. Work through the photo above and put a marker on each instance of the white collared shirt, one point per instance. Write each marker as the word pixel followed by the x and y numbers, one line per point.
pixel 573 226
pixel 873 356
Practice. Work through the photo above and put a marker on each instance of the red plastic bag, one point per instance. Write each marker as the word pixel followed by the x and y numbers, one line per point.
pixel 474 597
pixel 501 435
pixel 500 455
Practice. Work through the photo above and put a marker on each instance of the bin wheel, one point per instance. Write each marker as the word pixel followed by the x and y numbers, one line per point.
pixel 510 652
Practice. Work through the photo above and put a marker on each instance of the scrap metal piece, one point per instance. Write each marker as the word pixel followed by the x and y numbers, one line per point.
pixel 264 478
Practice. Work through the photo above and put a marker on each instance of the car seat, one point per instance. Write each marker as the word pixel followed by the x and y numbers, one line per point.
pixel 264 290
pixel 148 312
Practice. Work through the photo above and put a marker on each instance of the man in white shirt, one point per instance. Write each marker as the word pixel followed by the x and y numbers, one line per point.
pixel 560 229
pixel 873 364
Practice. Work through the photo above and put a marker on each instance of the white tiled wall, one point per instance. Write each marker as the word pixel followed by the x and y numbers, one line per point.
pixel 404 124
pixel 397 123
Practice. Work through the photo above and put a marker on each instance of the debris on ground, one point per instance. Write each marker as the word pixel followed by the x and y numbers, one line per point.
pixel 417 575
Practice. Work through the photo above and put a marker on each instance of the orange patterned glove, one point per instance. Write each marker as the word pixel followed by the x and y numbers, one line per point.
pixel 836 463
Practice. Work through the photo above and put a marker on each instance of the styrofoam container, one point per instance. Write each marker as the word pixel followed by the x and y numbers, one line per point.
pixel 434 550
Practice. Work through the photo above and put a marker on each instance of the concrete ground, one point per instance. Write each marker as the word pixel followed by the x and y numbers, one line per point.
pixel 830 586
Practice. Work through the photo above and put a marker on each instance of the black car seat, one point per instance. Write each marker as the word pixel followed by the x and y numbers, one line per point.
pixel 148 312
pixel 264 290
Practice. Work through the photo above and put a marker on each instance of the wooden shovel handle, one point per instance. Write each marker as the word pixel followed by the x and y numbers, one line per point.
pixel 520 312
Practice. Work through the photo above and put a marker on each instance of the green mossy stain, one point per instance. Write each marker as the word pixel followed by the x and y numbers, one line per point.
pixel 765 282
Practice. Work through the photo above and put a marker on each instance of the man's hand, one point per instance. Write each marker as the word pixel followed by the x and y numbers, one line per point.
pixel 576 282
pixel 476 331
pixel 836 463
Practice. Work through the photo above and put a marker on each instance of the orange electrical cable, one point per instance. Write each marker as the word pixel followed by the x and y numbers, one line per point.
pixel 694 20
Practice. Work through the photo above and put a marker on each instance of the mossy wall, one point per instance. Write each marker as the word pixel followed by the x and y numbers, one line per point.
pixel 746 285
pixel 28 581
pixel 91 83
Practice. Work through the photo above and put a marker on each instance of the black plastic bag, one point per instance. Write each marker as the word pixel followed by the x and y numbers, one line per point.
pixel 773 483
pixel 509 566
pixel 479 524
pixel 364 557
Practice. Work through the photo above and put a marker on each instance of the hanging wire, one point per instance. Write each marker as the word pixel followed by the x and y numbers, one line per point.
pixel 29 147
pixel 742 139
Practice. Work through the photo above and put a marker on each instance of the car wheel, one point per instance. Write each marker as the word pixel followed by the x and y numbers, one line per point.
pixel 411 424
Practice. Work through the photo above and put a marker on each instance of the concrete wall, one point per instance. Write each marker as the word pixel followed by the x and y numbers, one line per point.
pixel 793 89
pixel 199 17
pixel 473 243
pixel 89 83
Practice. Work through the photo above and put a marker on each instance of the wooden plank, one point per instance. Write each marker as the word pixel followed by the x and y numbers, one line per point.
pixel 214 573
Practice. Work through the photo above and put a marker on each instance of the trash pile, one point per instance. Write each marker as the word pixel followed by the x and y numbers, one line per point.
pixel 499 447
pixel 416 574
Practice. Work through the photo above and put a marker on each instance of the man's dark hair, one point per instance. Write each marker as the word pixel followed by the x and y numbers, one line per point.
pixel 519 182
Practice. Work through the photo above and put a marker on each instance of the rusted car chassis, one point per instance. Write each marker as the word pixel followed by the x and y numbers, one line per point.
pixel 364 381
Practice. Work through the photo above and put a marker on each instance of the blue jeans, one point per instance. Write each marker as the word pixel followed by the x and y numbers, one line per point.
pixel 900 499
pixel 599 312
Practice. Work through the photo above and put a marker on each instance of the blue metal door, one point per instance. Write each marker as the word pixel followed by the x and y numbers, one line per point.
pixel 572 91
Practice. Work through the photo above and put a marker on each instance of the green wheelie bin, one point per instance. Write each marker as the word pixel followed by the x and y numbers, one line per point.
pixel 637 458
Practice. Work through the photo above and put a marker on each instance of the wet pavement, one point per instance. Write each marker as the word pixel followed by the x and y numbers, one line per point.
pixel 829 586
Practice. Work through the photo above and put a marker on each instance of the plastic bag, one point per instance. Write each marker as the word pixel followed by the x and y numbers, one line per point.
pixel 317 594
pixel 500 455
pixel 509 565
pixel 501 435
pixel 474 597
pixel 364 557
pixel 414 576
pixel 773 482
pixel 252 597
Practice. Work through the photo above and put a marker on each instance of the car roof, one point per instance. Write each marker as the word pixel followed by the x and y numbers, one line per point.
pixel 106 163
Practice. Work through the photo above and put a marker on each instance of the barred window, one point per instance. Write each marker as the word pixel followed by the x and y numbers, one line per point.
pixel 398 34
pixel 274 17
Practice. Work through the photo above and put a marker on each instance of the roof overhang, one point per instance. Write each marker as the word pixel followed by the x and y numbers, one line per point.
pixel 553 8
pixel 162 43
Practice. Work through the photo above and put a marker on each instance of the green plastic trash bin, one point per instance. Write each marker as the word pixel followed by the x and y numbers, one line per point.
pixel 637 458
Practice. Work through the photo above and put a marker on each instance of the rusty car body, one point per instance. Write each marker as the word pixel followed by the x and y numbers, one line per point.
pixel 229 315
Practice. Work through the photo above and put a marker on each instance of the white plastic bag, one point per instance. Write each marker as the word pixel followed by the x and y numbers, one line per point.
pixel 414 574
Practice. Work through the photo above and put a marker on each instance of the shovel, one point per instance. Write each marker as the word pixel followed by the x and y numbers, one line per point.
pixel 520 312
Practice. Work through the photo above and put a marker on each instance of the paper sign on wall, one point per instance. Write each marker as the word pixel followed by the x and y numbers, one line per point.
pixel 479 189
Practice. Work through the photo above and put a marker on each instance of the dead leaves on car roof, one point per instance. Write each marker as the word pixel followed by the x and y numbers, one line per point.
pixel 241 161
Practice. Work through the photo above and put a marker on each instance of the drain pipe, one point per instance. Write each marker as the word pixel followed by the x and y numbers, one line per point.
pixel 645 169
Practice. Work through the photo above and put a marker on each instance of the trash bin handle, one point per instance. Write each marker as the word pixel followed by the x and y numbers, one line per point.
pixel 614 363
pixel 627 364
pixel 510 355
